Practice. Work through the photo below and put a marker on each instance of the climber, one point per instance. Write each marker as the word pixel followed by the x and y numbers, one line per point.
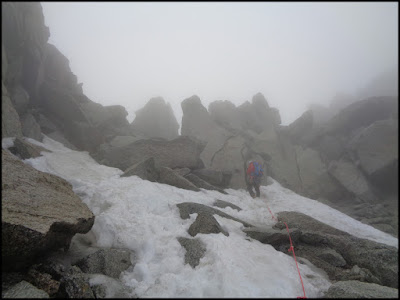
pixel 254 174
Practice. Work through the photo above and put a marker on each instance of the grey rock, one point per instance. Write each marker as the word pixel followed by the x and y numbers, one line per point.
pixel 274 237
pixel 361 114
pixel 75 284
pixel 11 124
pixel 223 204
pixel 110 262
pixel 380 259
pixel 195 250
pixel 30 128
pixel 40 212
pixel 301 127
pixel 25 290
pixel 377 150
pixel 196 120
pixel 200 183
pixel 182 152
pixel 144 169
pixel 357 273
pixel 225 114
pixel 182 171
pixel 332 257
pixel 313 173
pixel 4 62
pixel 168 176
pixel 352 179
pixel 156 120
pixel 187 208
pixel 106 287
pixel 59 137
pixel 206 223
pixel 20 99
pixel 358 289
pixel 25 149
pixel 219 179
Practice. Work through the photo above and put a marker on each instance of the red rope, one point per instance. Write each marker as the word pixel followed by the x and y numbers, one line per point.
pixel 294 255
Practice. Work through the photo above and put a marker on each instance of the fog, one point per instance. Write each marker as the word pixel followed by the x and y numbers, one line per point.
pixel 294 53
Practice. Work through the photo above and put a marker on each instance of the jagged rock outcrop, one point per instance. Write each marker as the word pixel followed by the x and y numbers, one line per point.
pixel 40 93
pixel 40 213
pixel 156 120
pixel 196 120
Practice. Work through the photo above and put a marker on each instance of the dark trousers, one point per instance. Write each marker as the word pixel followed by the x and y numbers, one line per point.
pixel 254 183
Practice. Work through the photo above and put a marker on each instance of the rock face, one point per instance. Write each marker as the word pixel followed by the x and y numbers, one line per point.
pixel 40 212
pixel 156 120
pixel 37 84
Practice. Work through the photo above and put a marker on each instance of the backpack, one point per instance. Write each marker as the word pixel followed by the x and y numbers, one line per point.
pixel 255 169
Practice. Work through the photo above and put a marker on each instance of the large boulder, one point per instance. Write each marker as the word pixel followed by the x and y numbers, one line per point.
pixel 377 150
pixel 301 127
pixel 196 120
pixel 156 120
pixel 40 212
pixel 179 153
pixel 352 179
pixel 225 114
pixel 315 178
pixel 111 120
pixel 110 262
pixel 24 149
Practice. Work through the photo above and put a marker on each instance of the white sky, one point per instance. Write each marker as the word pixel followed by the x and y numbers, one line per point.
pixel 294 53
pixel 142 216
